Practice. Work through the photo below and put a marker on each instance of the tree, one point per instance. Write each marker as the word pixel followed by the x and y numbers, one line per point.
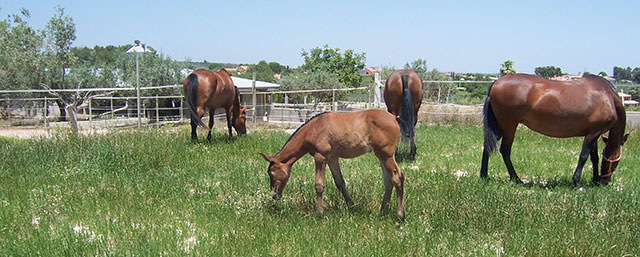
pixel 602 74
pixel 20 52
pixel 419 66
pixel 548 71
pixel 635 75
pixel 507 68
pixel 621 74
pixel 263 72
pixel 59 35
pixel 300 80
pixel 346 66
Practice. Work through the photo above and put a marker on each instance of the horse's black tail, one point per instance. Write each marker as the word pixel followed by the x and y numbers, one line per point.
pixel 490 125
pixel 191 98
pixel 406 117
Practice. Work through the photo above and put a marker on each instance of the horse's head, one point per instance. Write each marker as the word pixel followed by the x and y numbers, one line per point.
pixel 610 157
pixel 239 122
pixel 278 176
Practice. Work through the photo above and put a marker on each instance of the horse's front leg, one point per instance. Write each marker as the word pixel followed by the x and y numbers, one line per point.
pixel 587 146
pixel 228 111
pixel 211 119
pixel 393 173
pixel 321 164
pixel 594 163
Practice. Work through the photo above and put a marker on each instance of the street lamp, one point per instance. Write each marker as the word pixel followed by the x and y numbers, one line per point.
pixel 137 49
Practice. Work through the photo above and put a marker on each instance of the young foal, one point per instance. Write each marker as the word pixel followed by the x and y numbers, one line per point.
pixel 330 136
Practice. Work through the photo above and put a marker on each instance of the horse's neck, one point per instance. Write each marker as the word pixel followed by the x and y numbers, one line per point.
pixel 616 134
pixel 292 150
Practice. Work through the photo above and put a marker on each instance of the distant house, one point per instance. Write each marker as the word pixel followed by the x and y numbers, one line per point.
pixel 370 71
pixel 236 70
pixel 567 77
pixel 626 99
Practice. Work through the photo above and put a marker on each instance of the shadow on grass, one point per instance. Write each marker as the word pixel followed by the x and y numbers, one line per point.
pixel 551 184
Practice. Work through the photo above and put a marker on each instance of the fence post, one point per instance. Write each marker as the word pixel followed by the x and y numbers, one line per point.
pixel 90 111
pixel 335 105
pixel 181 110
pixel 44 113
pixel 253 96
pixel 376 90
pixel 157 113
pixel 111 100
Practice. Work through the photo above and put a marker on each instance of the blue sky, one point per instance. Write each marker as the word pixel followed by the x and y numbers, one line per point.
pixel 460 36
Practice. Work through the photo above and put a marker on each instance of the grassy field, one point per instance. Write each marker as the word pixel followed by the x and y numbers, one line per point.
pixel 157 193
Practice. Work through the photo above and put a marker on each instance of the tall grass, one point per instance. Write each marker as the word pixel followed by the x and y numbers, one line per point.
pixel 157 193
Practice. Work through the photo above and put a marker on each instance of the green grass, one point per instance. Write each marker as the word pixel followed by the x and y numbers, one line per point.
pixel 156 193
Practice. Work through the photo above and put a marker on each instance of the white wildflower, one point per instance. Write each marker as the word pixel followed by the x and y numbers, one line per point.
pixel 35 221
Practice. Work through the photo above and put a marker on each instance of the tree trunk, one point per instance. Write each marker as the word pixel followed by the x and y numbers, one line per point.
pixel 71 111
pixel 63 112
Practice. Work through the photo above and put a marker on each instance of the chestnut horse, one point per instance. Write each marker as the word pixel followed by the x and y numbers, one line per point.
pixel 329 136
pixel 586 107
pixel 213 89
pixel 403 97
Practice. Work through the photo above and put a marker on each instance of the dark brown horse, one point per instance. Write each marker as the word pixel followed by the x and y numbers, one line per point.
pixel 330 136
pixel 403 96
pixel 211 90
pixel 586 107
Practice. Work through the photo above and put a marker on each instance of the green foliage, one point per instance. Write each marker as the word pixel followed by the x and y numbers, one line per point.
pixel 264 71
pixel 310 81
pixel 156 193
pixel 621 74
pixel 20 52
pixel 419 66
pixel 59 34
pixel 548 71
pixel 507 68
pixel 347 66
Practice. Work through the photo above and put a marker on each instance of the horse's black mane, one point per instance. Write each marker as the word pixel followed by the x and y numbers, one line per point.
pixel 298 129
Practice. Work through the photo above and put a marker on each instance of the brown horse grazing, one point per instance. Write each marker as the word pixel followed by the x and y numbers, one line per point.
pixel 403 96
pixel 586 107
pixel 329 136
pixel 213 89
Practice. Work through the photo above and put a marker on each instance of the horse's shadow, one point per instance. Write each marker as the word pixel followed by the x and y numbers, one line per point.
pixel 557 183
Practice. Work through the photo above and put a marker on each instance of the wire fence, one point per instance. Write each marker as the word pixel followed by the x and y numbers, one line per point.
pixel 159 105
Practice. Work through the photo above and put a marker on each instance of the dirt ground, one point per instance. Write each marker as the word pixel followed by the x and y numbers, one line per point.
pixel 23 132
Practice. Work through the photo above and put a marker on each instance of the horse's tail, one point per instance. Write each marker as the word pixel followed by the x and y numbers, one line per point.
pixel 191 98
pixel 406 117
pixel 490 125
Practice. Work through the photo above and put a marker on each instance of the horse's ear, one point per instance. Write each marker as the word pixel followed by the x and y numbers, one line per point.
pixel 266 158
pixel 624 139
pixel 605 139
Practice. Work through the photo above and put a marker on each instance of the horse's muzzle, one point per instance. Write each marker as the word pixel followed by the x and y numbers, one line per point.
pixel 275 195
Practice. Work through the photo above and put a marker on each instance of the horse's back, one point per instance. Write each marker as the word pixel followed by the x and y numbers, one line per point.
pixel 553 108
pixel 348 135
pixel 215 88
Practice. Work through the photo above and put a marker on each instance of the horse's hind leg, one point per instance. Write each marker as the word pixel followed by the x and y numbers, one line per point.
pixel 393 176
pixel 211 119
pixel 194 134
pixel 587 148
pixel 505 151
pixel 334 165
pixel 412 155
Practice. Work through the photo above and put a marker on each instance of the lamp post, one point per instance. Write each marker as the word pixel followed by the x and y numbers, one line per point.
pixel 138 48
